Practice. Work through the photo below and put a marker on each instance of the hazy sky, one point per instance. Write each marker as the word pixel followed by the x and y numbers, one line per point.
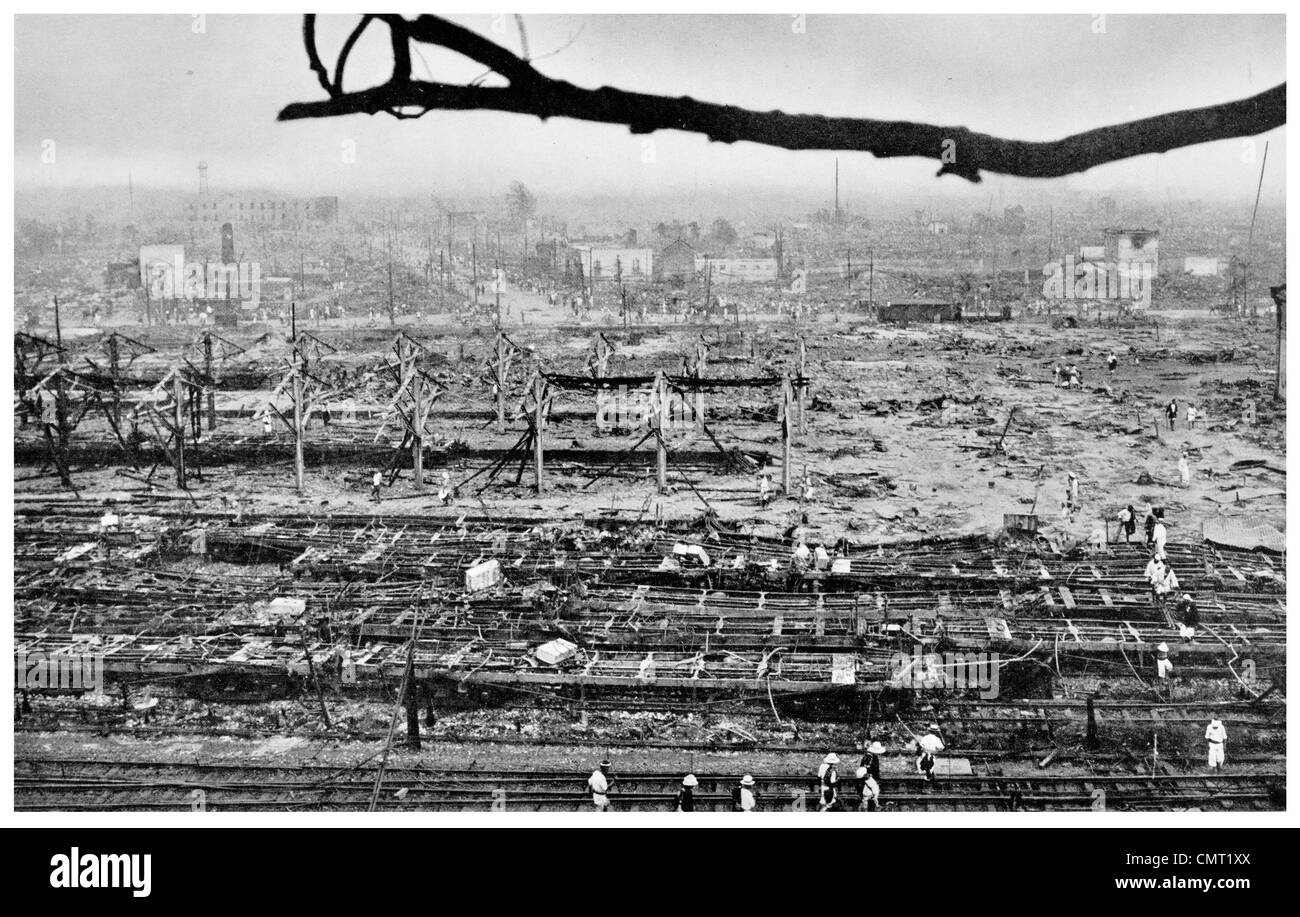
pixel 153 95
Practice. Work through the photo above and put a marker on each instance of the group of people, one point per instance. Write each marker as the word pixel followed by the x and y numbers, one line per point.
pixel 863 789
pixel 447 492
pixel 1067 376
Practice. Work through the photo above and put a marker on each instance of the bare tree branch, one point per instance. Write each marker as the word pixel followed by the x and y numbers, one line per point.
pixel 959 151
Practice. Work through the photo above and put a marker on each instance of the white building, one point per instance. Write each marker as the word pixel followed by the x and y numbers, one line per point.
pixel 736 270
pixel 629 265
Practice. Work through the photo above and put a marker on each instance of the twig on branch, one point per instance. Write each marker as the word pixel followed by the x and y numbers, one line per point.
pixel 959 151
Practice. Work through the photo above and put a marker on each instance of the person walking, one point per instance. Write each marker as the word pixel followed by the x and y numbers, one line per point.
pixel 599 783
pixel 1215 739
pixel 686 794
pixel 744 798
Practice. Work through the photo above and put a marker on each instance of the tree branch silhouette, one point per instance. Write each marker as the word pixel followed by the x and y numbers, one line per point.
pixel 958 150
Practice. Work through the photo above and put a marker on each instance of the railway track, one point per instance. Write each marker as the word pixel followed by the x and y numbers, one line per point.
pixel 54 784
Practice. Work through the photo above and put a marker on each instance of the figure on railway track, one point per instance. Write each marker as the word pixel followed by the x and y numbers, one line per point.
pixel 869 775
pixel 928 746
pixel 1164 672
pixel 1187 613
pixel 829 775
pixel 1128 522
pixel 375 483
pixel 599 783
pixel 868 792
pixel 744 798
pixel 1215 738
pixel 686 794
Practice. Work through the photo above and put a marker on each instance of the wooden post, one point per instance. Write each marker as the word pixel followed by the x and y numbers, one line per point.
pixel 786 399
pixel 701 354
pixel 803 361
pixel 412 703
pixel 178 417
pixel 501 382
pixel 211 383
pixel 661 454
pixel 417 426
pixel 539 390
pixel 473 256
pixel 298 470
pixel 115 369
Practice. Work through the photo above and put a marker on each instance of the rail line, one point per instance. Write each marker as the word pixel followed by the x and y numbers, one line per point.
pixel 63 785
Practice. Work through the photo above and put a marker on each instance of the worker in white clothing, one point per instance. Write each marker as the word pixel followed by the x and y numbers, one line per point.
pixel 928 746
pixel 599 783
pixel 829 775
pixel 1215 738
pixel 109 524
pixel 744 798
pixel 1184 471
pixel 764 489
pixel 1159 536
pixel 1164 672
pixel 1154 573
pixel 1165 587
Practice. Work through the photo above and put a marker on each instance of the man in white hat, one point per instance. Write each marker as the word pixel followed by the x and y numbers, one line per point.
pixel 869 791
pixel 1215 738
pixel 599 783
pixel 686 795
pixel 744 798
pixel 829 776
pixel 929 745
pixel 1159 536
pixel 871 760
pixel 1164 671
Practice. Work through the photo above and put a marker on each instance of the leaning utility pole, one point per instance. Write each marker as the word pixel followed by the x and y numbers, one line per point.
pixel 1250 241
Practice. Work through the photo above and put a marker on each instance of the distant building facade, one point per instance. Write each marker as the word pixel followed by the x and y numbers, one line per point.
pixel 920 310
pixel 626 265
pixel 1134 246
pixel 737 270
pixel 271 212
pixel 675 263
pixel 1198 266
